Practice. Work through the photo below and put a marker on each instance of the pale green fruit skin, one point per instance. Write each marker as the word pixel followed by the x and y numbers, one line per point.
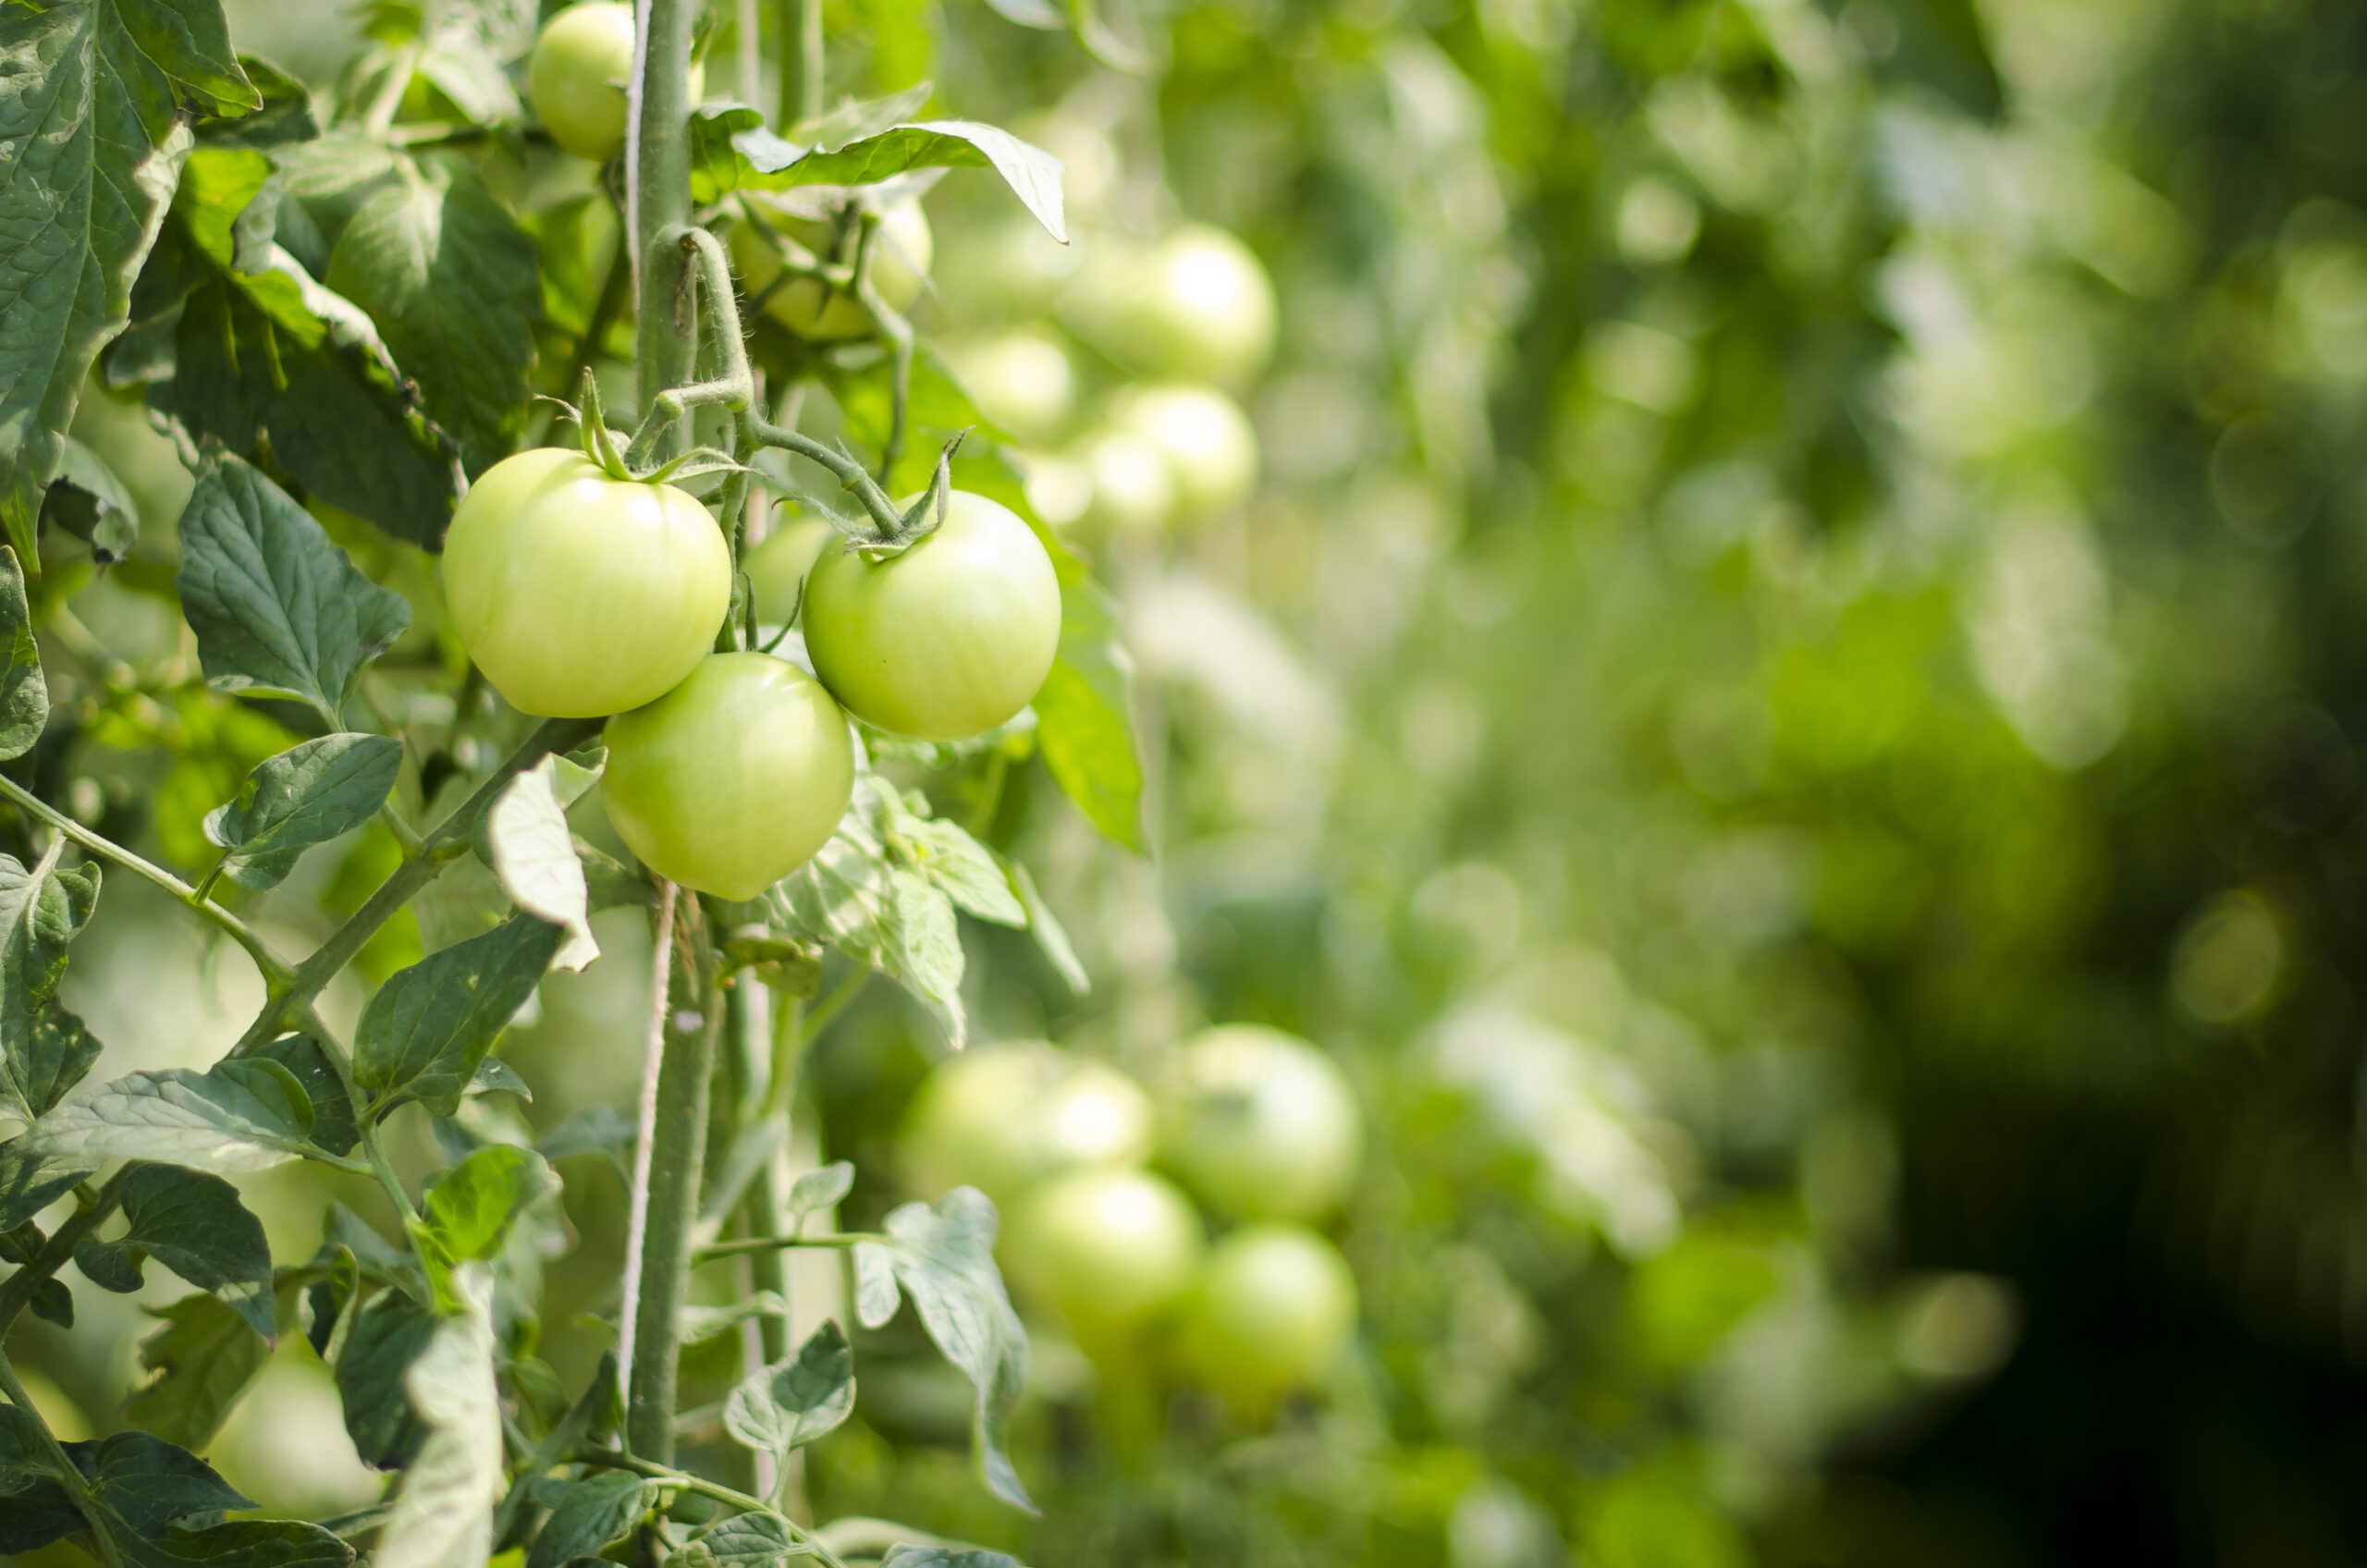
pixel 901 254
pixel 575 75
pixel 1022 381
pixel 999 1117
pixel 782 562
pixel 1275 1308
pixel 1264 1126
pixel 1132 490
pixel 945 641
pixel 580 595
pixel 732 780
pixel 1112 1249
pixel 1209 445
pixel 1197 306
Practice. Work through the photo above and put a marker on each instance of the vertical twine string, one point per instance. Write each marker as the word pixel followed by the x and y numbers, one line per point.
pixel 645 1137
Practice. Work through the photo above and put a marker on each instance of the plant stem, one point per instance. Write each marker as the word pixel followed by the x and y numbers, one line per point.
pixel 758 1245
pixel 678 1160
pixel 16 1294
pixel 658 192
pixel 760 1210
pixel 801 70
pixel 638 1464
pixel 646 1131
pixel 277 975
pixel 68 1474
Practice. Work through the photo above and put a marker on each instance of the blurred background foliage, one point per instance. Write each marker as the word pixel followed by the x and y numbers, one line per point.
pixel 1786 708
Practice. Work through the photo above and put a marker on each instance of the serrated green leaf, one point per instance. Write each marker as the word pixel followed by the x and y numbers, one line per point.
pixel 468 1209
pixel 761 161
pixel 286 115
pixel 819 1189
pixel 946 1557
pixel 1085 713
pixel 161 1507
pixel 333 1124
pixel 88 500
pixel 744 1540
pixel 41 910
pixel 205 1358
pixel 388 1333
pixel 97 134
pixel 30 1182
pixel 1050 936
pixel 444 1515
pixel 24 693
pixel 55 1053
pixel 451 279
pixel 276 608
pixel 533 854
pixel 700 1324
pixel 53 1303
pixel 194 1225
pixel 963 869
pixel 592 1513
pixel 306 795
pixel 942 1256
pixel 424 1032
pixel 853 895
pixel 236 1116
pixel 781 1408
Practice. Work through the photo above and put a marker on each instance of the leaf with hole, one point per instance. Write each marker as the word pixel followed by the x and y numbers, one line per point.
pixel 306 795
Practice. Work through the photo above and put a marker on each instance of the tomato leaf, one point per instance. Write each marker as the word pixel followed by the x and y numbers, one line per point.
pixel 533 856
pixel 444 1514
pixel 947 1556
pixel 41 910
pixel 236 1116
pixel 24 694
pixel 47 1060
pixel 943 1258
pixel 96 133
pixel 194 1225
pixel 205 1358
pixel 278 609
pixel 31 1182
pixel 307 795
pixel 90 501
pixel 156 1504
pixel 426 1029
pixel 732 150
pixel 468 1209
pixel 333 1126
pixel 779 1409
pixel 1050 936
pixel 452 282
pixel 388 1333
pixel 592 1514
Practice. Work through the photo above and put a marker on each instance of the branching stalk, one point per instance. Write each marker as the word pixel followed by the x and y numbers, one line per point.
pixel 645 1131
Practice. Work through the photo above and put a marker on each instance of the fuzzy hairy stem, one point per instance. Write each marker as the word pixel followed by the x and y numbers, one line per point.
pixel 645 1126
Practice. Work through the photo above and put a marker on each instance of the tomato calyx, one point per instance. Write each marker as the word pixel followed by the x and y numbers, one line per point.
pixel 600 446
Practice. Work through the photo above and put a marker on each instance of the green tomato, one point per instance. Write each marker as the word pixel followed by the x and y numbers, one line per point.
pixel 998 1118
pixel 901 254
pixel 1130 488
pixel 1010 271
pixel 945 641
pixel 1264 1125
pixel 1110 1249
pixel 577 75
pixel 578 594
pixel 1274 1309
pixel 1196 307
pixel 732 780
pixel 778 568
pixel 1206 440
pixel 1021 381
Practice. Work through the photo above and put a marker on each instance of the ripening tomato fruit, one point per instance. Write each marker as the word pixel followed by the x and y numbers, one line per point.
pixel 578 594
pixel 577 75
pixel 782 562
pixel 1274 1309
pixel 999 1117
pixel 732 780
pixel 1263 1125
pixel 901 254
pixel 1196 307
pixel 1129 487
pixel 1110 1249
pixel 1022 381
pixel 1206 440
pixel 945 641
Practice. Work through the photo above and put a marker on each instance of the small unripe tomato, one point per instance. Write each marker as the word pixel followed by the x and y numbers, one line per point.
pixel 1021 381
pixel 1211 451
pixel 901 254
pixel 578 594
pixel 1274 1309
pixel 1132 490
pixel 782 562
pixel 1264 1125
pixel 999 1117
pixel 1196 307
pixel 1110 1249
pixel 945 641
pixel 577 75
pixel 732 780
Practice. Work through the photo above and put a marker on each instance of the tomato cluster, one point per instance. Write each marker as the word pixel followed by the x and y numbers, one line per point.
pixel 1258 1124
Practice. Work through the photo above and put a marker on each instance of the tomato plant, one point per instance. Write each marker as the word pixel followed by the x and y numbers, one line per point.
pixel 1111 1250
pixel 579 595
pixel 1002 1117
pixel 1205 439
pixel 576 76
pixel 1274 1310
pixel 1262 1124
pixel 945 641
pixel 777 567
pixel 898 252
